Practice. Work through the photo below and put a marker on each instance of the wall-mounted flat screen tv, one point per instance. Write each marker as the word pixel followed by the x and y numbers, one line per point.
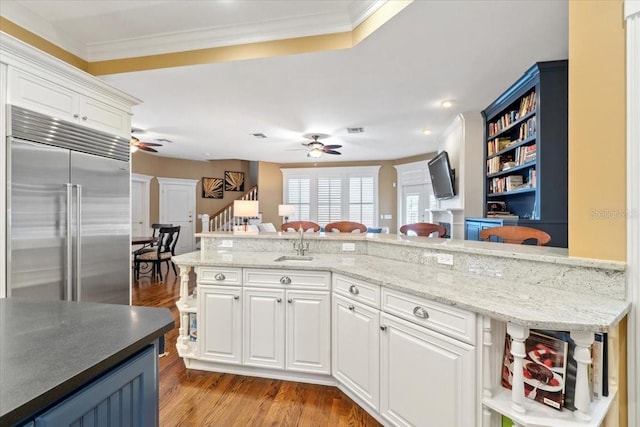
pixel 442 176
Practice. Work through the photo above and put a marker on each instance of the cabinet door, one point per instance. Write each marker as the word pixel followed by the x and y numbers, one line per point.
pixel 264 327
pixel 355 348
pixel 308 336
pixel 472 230
pixel 43 96
pixel 220 324
pixel 426 378
pixel 102 116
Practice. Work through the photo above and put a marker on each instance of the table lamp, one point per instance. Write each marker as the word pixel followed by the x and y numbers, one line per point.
pixel 245 209
pixel 285 211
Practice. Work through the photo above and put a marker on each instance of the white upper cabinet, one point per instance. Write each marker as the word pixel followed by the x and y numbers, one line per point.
pixel 44 96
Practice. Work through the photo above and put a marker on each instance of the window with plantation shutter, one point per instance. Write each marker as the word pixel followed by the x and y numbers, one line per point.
pixel 362 200
pixel 298 195
pixel 329 200
pixel 325 195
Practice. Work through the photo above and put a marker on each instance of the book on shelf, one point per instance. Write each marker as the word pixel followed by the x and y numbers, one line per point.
pixel 504 215
pixel 193 327
pixel 544 368
pixel 599 369
pixel 513 182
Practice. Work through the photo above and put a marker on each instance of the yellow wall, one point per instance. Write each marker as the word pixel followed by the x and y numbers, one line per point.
pixel 597 138
pixel 165 167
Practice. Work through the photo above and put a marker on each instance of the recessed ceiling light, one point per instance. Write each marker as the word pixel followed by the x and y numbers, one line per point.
pixel 427 131
pixel 355 130
pixel 447 103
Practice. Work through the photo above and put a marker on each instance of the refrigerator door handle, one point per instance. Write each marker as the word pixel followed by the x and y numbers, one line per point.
pixel 68 276
pixel 78 259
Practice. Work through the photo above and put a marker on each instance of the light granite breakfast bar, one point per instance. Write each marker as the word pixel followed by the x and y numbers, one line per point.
pixel 466 290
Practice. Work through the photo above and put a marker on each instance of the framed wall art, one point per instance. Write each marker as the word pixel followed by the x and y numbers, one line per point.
pixel 233 181
pixel 212 188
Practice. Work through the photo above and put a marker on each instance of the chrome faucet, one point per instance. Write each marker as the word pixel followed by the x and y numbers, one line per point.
pixel 300 246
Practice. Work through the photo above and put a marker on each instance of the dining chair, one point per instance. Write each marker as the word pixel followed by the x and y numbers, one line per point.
pixel 295 226
pixel 515 234
pixel 163 252
pixel 345 227
pixel 150 247
pixel 423 229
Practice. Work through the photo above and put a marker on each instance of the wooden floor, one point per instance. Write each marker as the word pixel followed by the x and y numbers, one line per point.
pixel 200 398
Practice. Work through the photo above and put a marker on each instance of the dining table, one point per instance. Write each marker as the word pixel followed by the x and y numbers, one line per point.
pixel 143 240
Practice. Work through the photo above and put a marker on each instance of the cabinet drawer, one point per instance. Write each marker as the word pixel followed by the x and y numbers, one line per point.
pixel 287 278
pixel 219 276
pixel 357 290
pixel 451 321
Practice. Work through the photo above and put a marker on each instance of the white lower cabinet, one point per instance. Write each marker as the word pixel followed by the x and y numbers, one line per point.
pixel 355 348
pixel 426 378
pixel 220 324
pixel 308 337
pixel 287 321
pixel 264 328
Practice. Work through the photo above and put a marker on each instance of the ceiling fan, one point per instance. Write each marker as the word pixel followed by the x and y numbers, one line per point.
pixel 316 148
pixel 146 146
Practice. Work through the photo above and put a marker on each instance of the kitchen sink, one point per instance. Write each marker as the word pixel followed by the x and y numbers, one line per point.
pixel 293 258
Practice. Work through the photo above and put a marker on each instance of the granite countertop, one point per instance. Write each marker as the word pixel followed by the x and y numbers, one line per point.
pixel 49 349
pixel 524 252
pixel 505 300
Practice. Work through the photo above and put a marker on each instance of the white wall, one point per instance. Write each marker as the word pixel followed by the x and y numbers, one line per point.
pixel 464 142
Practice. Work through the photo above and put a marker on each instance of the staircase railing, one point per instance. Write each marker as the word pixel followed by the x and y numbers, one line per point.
pixel 223 220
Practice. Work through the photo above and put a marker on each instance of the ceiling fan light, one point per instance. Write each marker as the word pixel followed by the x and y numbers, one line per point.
pixel 315 152
pixel 134 148
pixel 315 145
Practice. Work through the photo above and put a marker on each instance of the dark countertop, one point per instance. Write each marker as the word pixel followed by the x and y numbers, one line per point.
pixel 48 349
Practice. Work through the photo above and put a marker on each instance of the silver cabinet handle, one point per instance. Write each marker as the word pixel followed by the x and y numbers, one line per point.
pixel 76 115
pixel 236 297
pixel 285 280
pixel 354 289
pixel 383 328
pixel 219 277
pixel 351 307
pixel 420 312
pixel 279 300
pixel 84 117
pixel 290 300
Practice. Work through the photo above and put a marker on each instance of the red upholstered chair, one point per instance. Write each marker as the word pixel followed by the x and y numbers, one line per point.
pixel 345 227
pixel 424 229
pixel 295 225
pixel 515 234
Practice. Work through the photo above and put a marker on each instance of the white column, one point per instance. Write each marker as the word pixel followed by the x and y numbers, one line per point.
pixel 488 373
pixel 632 17
pixel 518 334
pixel 183 338
pixel 582 355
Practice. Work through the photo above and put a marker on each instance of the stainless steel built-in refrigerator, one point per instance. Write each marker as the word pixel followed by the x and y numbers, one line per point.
pixel 68 211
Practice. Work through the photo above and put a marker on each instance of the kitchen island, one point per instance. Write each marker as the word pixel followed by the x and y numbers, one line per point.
pixel 57 357
pixel 377 306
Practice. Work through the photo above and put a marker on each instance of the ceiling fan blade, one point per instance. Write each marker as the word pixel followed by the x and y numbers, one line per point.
pixel 332 147
pixel 332 152
pixel 142 147
pixel 149 144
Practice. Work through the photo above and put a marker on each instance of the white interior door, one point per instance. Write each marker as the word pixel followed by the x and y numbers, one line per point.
pixel 178 207
pixel 140 205
pixel 415 199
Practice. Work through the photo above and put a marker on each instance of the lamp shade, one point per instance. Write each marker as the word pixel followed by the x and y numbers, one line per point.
pixel 286 210
pixel 245 208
